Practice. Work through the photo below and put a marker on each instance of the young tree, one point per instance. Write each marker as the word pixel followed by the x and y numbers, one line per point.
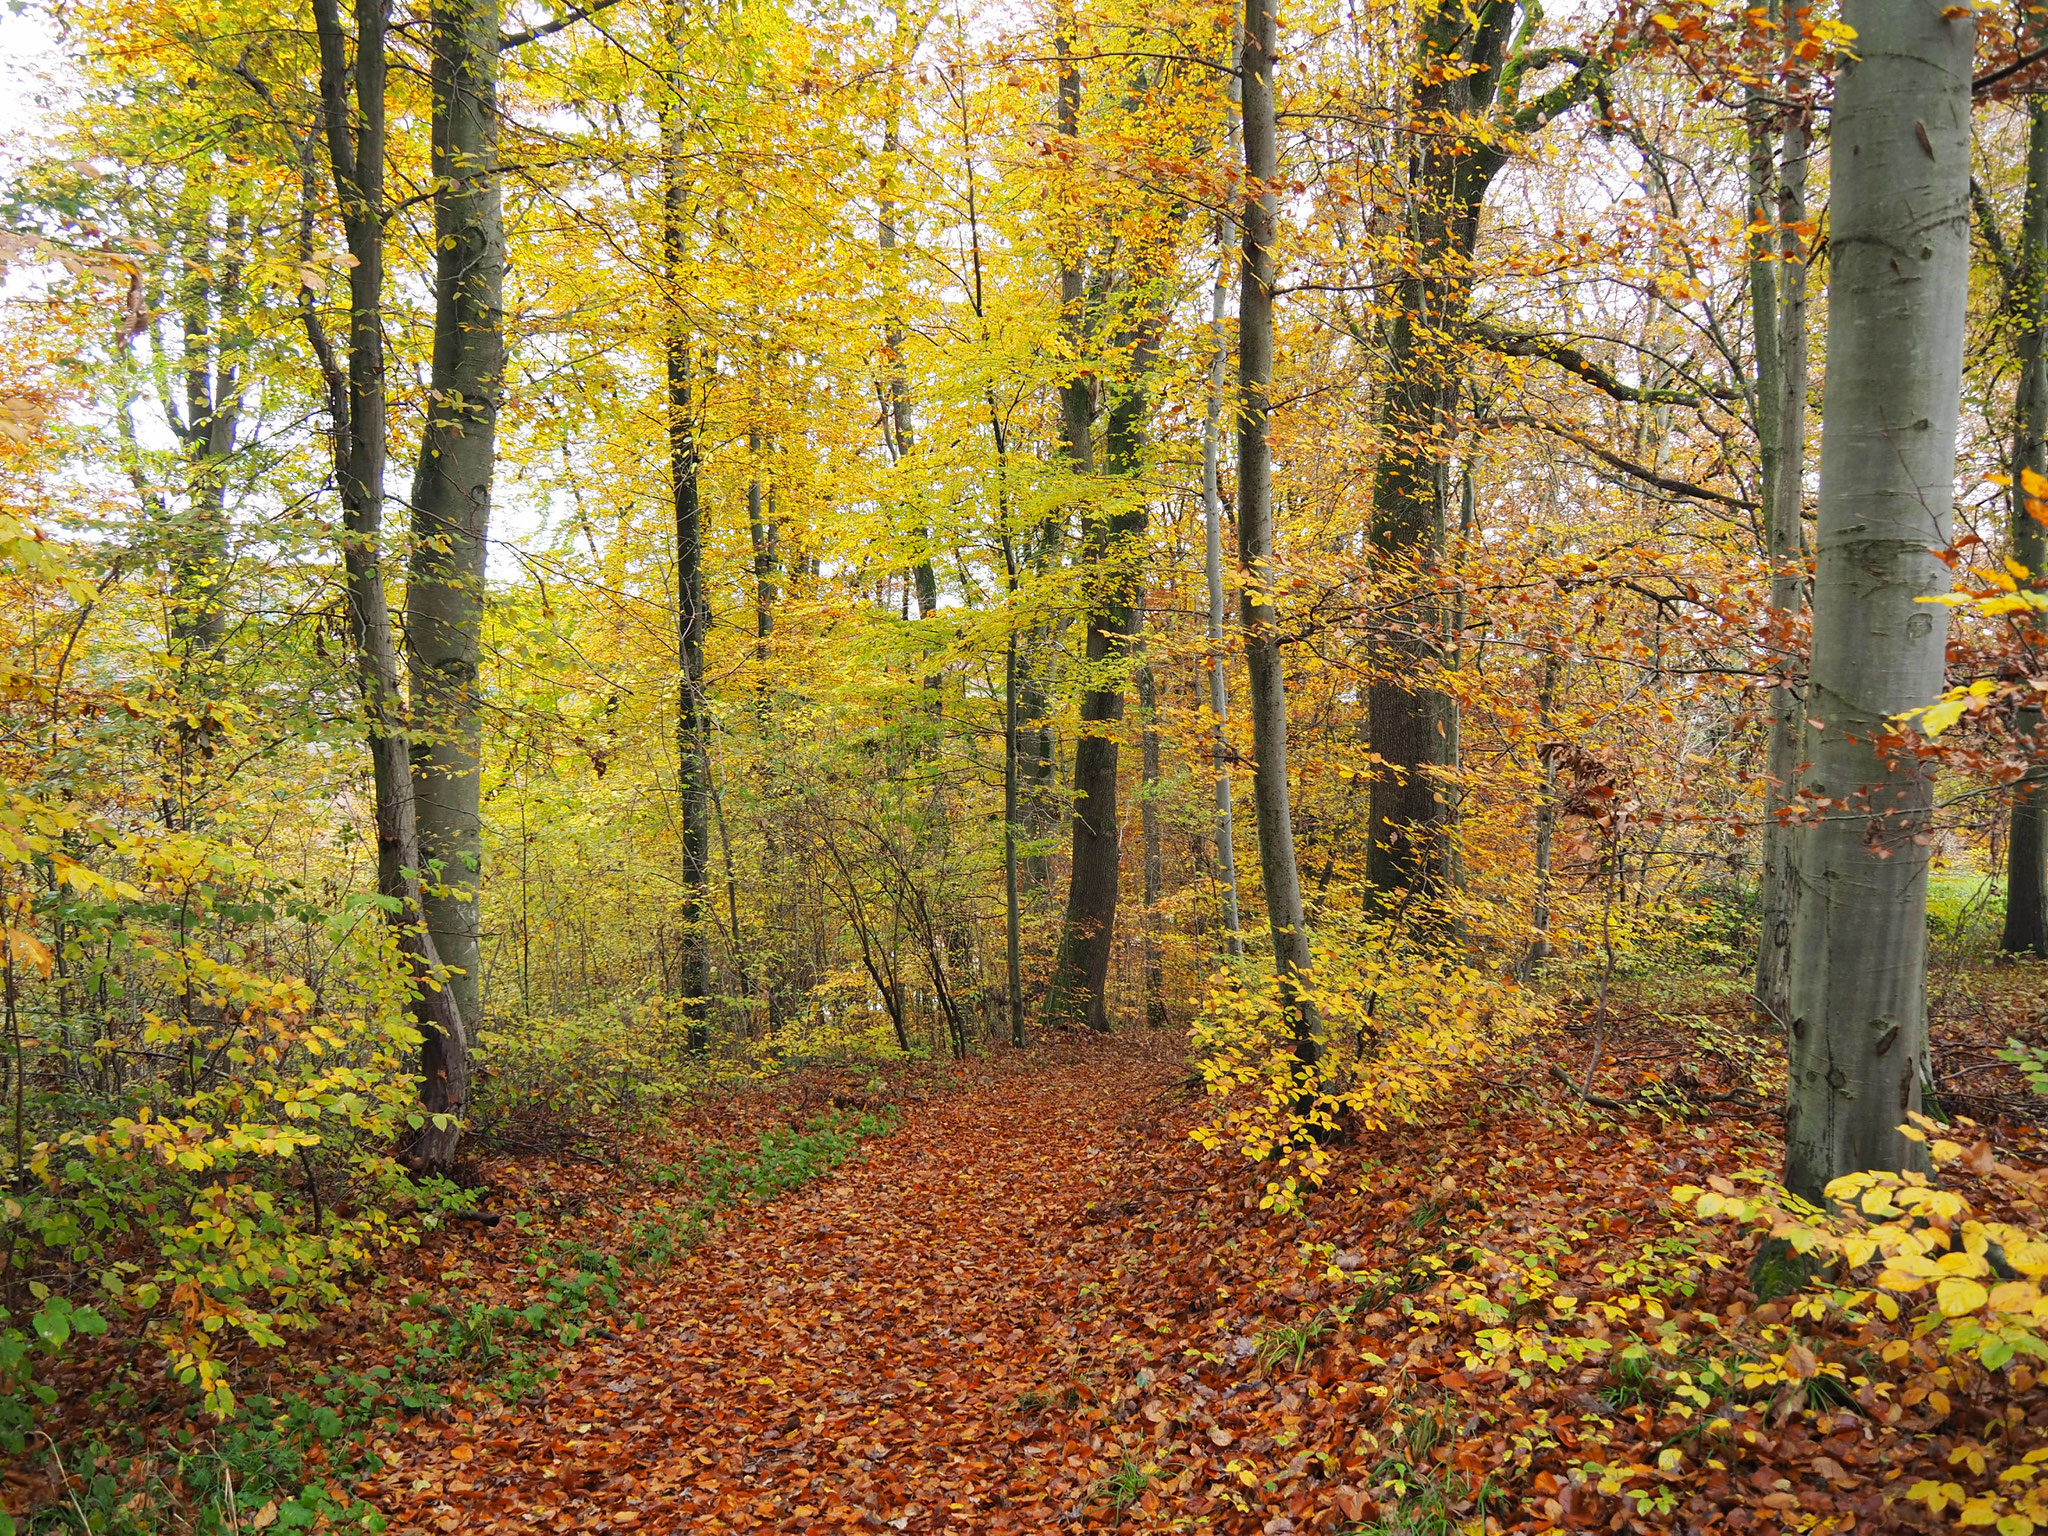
pixel 1777 278
pixel 1266 680
pixel 679 358
pixel 1897 292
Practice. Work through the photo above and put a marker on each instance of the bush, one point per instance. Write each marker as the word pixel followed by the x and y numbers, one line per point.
pixel 1403 1025
pixel 216 1155
pixel 1900 1253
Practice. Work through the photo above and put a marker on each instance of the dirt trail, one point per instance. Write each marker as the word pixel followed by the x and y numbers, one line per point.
pixel 883 1351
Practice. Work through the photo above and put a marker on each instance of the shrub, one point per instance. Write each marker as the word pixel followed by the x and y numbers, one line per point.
pixel 1403 1026
pixel 216 1155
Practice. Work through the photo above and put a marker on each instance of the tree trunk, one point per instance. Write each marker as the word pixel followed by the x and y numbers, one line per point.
pixel 1111 555
pixel 1466 91
pixel 693 775
pixel 451 493
pixel 761 536
pixel 924 577
pixel 1155 858
pixel 1778 291
pixel 1897 294
pixel 1546 811
pixel 1460 75
pixel 1266 681
pixel 213 410
pixel 1212 565
pixel 2026 871
pixel 356 402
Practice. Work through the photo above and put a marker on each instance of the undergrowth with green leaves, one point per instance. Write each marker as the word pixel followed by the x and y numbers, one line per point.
pixel 287 1462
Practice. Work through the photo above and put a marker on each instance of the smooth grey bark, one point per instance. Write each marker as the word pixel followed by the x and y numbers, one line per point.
pixel 355 135
pixel 1546 811
pixel 208 428
pixel 451 491
pixel 1266 678
pixel 2026 868
pixel 1212 569
pixel 1897 294
pixel 1155 856
pixel 1778 304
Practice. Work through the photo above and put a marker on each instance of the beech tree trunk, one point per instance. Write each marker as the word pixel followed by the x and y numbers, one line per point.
pixel 1778 305
pixel 1897 293
pixel 1546 810
pixel 1266 680
pixel 1155 855
pixel 2026 870
pixel 1467 91
pixel 451 492
pixel 212 420
pixel 1212 566
pixel 356 402
pixel 1447 180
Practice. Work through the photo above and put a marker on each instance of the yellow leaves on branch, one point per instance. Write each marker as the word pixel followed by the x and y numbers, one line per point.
pixel 1401 1029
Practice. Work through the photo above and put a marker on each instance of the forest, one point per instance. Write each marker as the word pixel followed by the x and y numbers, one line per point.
pixel 1066 765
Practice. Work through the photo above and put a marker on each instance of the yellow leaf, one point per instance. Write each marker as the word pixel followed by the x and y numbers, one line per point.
pixel 1958 1296
pixel 1937 718
pixel 2014 1296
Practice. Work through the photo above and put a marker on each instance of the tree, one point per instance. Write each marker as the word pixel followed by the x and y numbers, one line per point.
pixel 1132 305
pixel 2026 865
pixel 1897 293
pixel 355 134
pixel 1258 570
pixel 451 489
pixel 1466 117
pixel 679 359
pixel 1778 298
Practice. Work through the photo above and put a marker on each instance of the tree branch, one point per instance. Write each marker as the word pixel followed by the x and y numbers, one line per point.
pixel 512 40
pixel 1572 360
pixel 1629 467
pixel 2004 72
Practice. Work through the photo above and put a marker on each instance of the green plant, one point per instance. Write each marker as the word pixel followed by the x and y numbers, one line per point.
pixel 1123 1486
pixel 1291 1342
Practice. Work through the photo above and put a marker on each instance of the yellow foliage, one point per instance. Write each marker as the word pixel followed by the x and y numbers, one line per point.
pixel 1402 1028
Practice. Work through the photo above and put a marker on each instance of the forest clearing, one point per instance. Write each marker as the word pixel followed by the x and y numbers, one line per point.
pixel 863 765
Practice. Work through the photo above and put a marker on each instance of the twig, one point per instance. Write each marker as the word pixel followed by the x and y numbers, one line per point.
pixel 1598 1101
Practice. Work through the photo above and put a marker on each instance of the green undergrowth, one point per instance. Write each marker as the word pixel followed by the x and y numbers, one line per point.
pixel 287 1461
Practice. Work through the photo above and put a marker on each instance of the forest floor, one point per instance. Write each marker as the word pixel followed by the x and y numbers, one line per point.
pixel 1036 1304
pixel 898 1347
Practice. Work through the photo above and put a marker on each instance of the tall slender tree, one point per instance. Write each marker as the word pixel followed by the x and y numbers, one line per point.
pixel 356 135
pixel 679 361
pixel 1266 680
pixel 1212 571
pixel 2026 868
pixel 1897 298
pixel 451 489
pixel 1777 275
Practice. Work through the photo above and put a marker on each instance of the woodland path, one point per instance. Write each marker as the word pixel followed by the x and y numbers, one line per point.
pixel 883 1351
